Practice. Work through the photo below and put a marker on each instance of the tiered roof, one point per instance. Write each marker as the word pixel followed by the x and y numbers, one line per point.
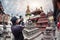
pixel 36 12
pixel 42 21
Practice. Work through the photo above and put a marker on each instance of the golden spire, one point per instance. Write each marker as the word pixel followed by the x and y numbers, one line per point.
pixel 28 10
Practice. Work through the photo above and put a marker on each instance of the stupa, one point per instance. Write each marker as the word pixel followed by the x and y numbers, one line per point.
pixel 31 32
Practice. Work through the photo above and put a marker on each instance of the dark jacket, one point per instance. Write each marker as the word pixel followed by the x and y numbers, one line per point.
pixel 17 32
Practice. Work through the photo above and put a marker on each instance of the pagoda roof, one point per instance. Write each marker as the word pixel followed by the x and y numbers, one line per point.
pixel 36 12
pixel 42 20
pixel 42 14
pixel 45 21
pixel 50 14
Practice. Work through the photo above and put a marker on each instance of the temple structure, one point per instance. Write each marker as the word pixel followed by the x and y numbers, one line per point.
pixel 42 21
pixel 36 20
pixel 4 18
pixel 36 15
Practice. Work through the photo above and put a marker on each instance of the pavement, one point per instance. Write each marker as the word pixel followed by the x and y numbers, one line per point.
pixel 39 36
pixel 58 34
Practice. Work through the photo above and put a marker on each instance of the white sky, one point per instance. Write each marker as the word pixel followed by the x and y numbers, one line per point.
pixel 19 6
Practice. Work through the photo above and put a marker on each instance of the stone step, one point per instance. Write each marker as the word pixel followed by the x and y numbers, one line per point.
pixel 29 30
pixel 33 36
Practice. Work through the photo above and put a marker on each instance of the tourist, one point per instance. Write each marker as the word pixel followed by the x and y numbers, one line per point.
pixel 16 29
pixel 51 22
pixel 21 21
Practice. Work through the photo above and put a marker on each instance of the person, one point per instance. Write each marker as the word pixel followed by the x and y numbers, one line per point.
pixel 29 22
pixel 21 21
pixel 58 21
pixel 51 22
pixel 16 29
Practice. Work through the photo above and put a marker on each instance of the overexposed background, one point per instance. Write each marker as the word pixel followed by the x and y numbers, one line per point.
pixel 19 6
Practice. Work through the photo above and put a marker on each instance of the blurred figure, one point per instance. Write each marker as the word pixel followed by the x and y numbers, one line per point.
pixel 58 23
pixel 16 29
pixel 29 22
pixel 51 21
pixel 48 34
pixel 21 21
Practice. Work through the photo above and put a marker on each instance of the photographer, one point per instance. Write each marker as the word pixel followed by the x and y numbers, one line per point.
pixel 21 21
pixel 17 29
